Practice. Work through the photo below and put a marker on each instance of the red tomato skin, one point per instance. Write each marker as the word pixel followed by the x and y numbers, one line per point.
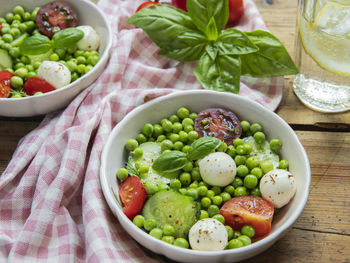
pixel 236 10
pixel 5 83
pixel 181 4
pixel 34 84
pixel 249 210
pixel 146 4
pixel 132 194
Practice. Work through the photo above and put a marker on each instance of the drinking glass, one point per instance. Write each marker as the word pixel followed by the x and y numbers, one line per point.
pixel 323 55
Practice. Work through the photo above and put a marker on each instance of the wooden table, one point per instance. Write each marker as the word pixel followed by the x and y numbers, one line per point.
pixel 322 232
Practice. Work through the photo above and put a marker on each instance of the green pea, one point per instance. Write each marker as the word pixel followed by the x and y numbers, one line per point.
pixel 74 76
pixel 149 224
pixel 23 28
pixel 183 113
pixel 161 138
pixel 245 126
pixel 183 136
pixel 236 233
pixel 71 66
pixel 167 125
pixel 177 127
pixel 266 166
pixel 21 72
pixel 178 146
pixel 202 190
pixel 163 186
pixel 219 217
pixel 185 178
pixel 235 243
pixel 257 172
pixel 250 181
pixel 16 82
pixel 157 233
pixel 229 189
pixel 81 68
pixel 283 164
pixel 183 191
pixel 8 38
pixel 27 17
pixel 192 192
pixel 226 196
pixel 174 137
pixel 185 149
pixel 259 137
pixel 174 118
pixel 252 162
pixel 188 128
pixel 175 184
pixel 242 170
pixel 237 141
pixel 203 214
pixel 245 240
pixel 240 160
pixel 168 230
pixel 18 10
pixel 25 59
pixel 187 121
pixel 188 167
pixel 78 53
pixel 193 115
pixel 229 232
pixel 144 168
pixel 222 147
pixel 166 145
pixel 231 150
pixel 217 200
pixel 240 150
pixel 9 17
pixel 255 127
pixel 139 220
pixel 29 67
pixel 241 191
pixel 147 129
pixel 36 64
pixel 195 174
pixel 205 202
pixel 255 191
pixel 54 57
pixel 275 144
pixel 137 153
pixel 141 138
pixel 157 130
pixel 87 68
pixel 122 174
pixel 181 242
pixel 210 194
pixel 213 210
pixel 15 32
pixel 237 181
pixel 6 46
pixel 168 239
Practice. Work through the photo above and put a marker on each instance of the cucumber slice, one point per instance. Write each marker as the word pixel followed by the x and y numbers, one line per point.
pixel 262 151
pixel 170 207
pixel 151 151
pixel 16 42
pixel 5 59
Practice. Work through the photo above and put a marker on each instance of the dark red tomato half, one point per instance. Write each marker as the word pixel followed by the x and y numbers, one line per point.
pixel 219 123
pixel 33 85
pixel 236 10
pixel 5 83
pixel 179 4
pixel 132 194
pixel 249 210
pixel 146 4
pixel 55 16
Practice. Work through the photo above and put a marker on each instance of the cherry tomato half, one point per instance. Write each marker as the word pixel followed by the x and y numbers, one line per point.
pixel 179 4
pixel 34 84
pixel 146 4
pixel 132 194
pixel 219 123
pixel 249 210
pixel 5 83
pixel 236 10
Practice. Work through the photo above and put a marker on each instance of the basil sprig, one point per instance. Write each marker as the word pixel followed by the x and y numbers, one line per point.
pixel 40 44
pixel 222 55
pixel 173 161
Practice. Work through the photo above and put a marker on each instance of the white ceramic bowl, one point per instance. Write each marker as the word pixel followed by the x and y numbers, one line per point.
pixel 114 157
pixel 88 14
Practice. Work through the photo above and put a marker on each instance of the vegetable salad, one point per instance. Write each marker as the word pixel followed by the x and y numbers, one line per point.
pixel 44 49
pixel 205 181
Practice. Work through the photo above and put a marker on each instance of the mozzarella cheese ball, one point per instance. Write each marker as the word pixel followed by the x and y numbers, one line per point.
pixel 208 235
pixel 90 40
pixel 278 186
pixel 217 169
pixel 55 73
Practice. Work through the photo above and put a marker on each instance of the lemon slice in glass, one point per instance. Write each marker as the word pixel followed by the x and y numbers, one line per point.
pixel 325 39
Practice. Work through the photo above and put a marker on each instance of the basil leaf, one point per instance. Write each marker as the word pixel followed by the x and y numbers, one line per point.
pixel 170 162
pixel 188 46
pixel 202 147
pixel 163 24
pixel 35 45
pixel 212 51
pixel 67 38
pixel 212 31
pixel 272 59
pixel 234 42
pixel 201 11
pixel 221 74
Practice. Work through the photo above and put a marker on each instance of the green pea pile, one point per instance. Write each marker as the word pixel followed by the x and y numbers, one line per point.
pixel 177 133
pixel 20 24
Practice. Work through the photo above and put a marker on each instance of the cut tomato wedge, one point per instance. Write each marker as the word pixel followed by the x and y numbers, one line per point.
pixel 249 210
pixel 33 85
pixel 132 194
pixel 5 83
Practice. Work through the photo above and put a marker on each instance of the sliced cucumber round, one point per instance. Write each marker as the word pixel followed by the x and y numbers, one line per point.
pixel 5 59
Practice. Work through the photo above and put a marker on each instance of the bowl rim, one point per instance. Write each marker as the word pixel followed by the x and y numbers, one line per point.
pixel 104 57
pixel 270 239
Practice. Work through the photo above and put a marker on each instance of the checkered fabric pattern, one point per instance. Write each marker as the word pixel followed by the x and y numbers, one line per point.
pixel 51 205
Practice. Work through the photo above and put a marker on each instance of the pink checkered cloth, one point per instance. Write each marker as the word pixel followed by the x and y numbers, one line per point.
pixel 51 203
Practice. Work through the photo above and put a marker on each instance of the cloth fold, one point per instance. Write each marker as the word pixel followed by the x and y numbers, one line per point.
pixel 51 203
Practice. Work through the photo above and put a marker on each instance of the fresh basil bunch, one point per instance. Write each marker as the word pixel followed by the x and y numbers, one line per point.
pixel 223 55
pixel 40 44
pixel 173 161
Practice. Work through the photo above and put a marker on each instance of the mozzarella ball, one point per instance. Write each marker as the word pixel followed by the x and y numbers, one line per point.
pixel 55 73
pixel 90 40
pixel 208 235
pixel 217 169
pixel 278 186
